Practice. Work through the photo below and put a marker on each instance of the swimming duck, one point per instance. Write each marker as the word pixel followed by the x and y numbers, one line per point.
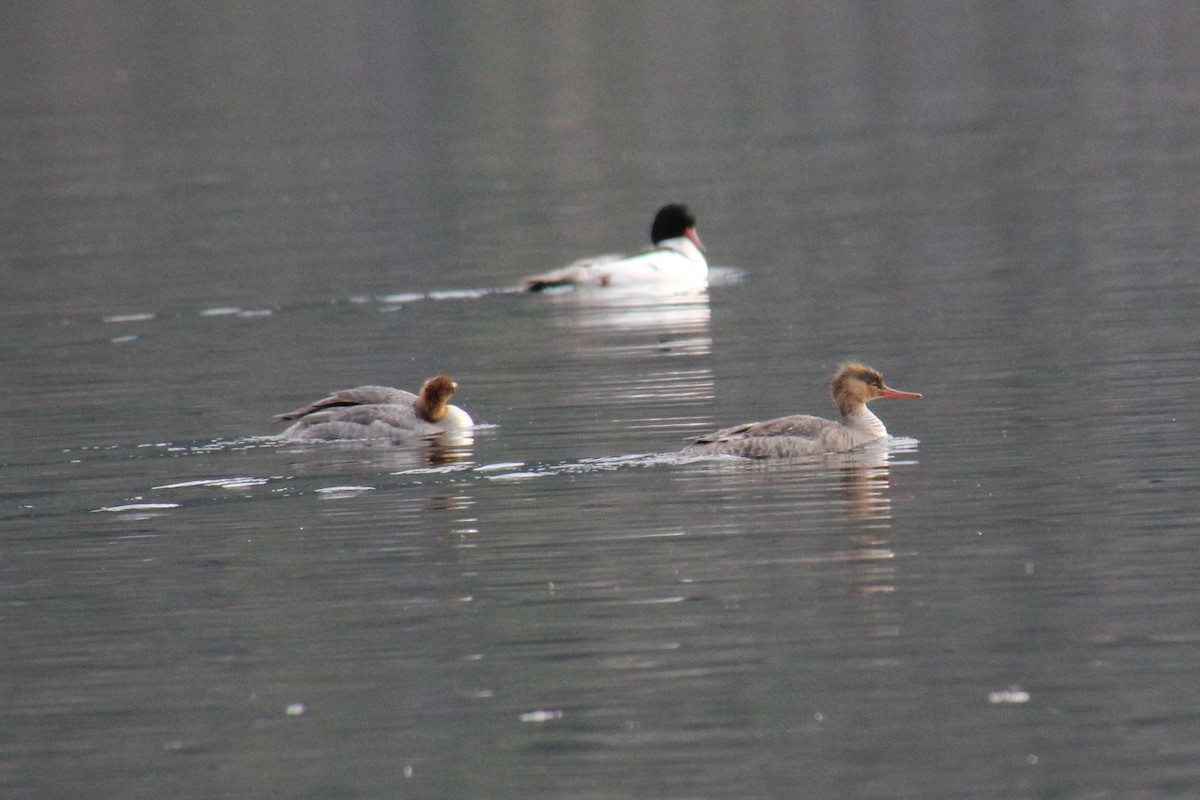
pixel 676 257
pixel 852 388
pixel 379 412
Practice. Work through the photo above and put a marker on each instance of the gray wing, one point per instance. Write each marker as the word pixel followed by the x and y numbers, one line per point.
pixel 390 414
pixel 358 396
pixel 802 426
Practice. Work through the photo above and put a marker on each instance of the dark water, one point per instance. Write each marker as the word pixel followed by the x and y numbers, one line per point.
pixel 212 215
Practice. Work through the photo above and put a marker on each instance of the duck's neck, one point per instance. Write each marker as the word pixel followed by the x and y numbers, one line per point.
pixel 684 246
pixel 430 410
pixel 861 419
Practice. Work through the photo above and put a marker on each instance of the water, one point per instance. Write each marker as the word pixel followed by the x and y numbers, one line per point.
pixel 212 217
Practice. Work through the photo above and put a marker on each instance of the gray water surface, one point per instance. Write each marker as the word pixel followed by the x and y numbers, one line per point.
pixel 210 216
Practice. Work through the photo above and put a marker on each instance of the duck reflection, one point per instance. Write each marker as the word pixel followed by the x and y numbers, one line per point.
pixel 856 486
pixel 662 334
pixel 865 480
pixel 451 447
pixel 439 450
pixel 862 478
pixel 674 319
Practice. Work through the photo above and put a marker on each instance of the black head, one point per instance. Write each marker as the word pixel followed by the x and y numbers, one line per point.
pixel 671 222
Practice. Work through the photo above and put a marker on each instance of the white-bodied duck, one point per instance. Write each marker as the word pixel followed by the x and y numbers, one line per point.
pixel 676 257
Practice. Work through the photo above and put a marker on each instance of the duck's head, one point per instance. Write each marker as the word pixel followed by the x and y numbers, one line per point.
pixel 855 385
pixel 435 394
pixel 672 221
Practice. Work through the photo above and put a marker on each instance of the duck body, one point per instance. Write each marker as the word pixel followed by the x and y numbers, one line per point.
pixel 378 412
pixel 802 435
pixel 676 257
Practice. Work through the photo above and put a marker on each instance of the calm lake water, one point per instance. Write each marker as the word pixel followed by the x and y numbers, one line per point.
pixel 212 215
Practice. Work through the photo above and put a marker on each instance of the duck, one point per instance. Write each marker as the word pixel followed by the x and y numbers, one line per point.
pixel 853 386
pixel 675 257
pixel 378 412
